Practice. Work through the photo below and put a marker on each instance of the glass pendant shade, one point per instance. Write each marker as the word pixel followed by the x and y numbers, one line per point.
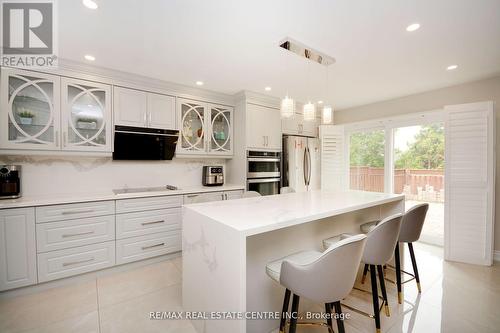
pixel 309 112
pixel 327 115
pixel 287 107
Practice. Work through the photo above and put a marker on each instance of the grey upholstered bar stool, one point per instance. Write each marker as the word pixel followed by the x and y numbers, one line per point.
pixel 380 243
pixel 411 228
pixel 251 194
pixel 323 277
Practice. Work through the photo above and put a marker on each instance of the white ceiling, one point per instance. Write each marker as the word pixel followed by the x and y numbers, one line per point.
pixel 232 45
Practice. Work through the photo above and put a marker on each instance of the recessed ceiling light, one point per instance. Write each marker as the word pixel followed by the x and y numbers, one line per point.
pixel 413 27
pixel 89 57
pixel 267 88
pixel 199 83
pixel 451 67
pixel 90 4
pixel 320 102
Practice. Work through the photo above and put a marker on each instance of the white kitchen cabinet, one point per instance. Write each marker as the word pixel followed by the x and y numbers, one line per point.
pixel 30 110
pixel 263 131
pixel 78 260
pixel 148 222
pixel 72 233
pixel 205 129
pixel 17 248
pixel 203 197
pixel 130 107
pixel 296 125
pixel 85 116
pixel 143 247
pixel 161 111
pixel 144 109
pixel 47 112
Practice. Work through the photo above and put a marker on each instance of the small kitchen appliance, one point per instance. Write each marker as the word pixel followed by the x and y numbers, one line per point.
pixel 10 181
pixel 213 176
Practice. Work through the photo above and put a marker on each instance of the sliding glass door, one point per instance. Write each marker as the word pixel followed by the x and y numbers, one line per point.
pixel 367 160
pixel 419 174
pixel 404 157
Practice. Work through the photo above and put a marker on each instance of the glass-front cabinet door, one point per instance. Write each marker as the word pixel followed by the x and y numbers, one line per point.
pixel 86 116
pixel 221 130
pixel 192 138
pixel 30 110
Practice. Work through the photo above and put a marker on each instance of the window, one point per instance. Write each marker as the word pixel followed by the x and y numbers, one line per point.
pixel 367 160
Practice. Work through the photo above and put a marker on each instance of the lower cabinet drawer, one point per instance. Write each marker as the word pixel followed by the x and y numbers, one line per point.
pixel 71 233
pixel 63 263
pixel 137 248
pixel 148 222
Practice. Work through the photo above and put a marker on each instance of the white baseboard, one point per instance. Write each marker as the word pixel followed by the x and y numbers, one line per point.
pixel 496 256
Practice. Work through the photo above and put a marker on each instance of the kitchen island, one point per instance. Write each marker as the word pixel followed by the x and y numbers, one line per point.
pixel 226 246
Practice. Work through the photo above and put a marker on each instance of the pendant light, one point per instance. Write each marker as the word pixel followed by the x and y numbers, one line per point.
pixel 309 112
pixel 327 114
pixel 287 107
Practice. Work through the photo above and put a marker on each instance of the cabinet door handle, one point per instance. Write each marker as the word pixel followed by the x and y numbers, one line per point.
pixel 57 138
pixel 192 195
pixel 78 234
pixel 69 212
pixel 152 246
pixel 264 140
pixel 150 118
pixel 145 120
pixel 153 222
pixel 77 262
pixel 65 138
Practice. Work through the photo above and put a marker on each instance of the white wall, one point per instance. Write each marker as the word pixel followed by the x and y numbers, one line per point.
pixel 478 91
pixel 61 175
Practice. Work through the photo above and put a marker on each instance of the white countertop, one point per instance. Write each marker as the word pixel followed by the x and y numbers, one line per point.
pixel 262 214
pixel 55 199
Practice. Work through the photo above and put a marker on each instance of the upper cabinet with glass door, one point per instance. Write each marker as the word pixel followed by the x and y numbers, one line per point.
pixel 30 116
pixel 221 130
pixel 205 129
pixel 86 116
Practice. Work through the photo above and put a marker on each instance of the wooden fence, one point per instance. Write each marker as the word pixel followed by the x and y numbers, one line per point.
pixel 415 183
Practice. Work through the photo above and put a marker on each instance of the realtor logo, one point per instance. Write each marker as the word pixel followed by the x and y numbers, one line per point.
pixel 28 34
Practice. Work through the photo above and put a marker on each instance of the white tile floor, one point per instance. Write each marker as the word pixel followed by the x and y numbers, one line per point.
pixel 455 298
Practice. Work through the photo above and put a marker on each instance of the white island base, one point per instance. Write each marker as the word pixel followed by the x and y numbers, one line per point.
pixel 226 246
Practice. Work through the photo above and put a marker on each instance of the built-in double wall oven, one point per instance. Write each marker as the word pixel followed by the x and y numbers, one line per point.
pixel 263 172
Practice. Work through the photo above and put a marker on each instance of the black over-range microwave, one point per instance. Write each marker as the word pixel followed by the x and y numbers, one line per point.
pixel 138 143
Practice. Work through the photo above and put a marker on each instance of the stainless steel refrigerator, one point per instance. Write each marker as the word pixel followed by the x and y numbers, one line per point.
pixel 301 163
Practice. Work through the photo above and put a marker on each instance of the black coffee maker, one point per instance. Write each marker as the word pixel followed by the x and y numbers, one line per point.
pixel 10 181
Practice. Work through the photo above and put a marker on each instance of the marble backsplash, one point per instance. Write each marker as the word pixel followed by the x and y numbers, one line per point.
pixel 60 175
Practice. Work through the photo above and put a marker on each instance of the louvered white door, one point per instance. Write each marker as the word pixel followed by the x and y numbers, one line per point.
pixel 470 179
pixel 333 167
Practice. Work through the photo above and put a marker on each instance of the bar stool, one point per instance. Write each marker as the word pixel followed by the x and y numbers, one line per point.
pixel 411 228
pixel 380 242
pixel 286 189
pixel 251 194
pixel 323 277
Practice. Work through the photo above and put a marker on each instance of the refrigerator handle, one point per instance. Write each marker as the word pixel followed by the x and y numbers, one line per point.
pixel 304 166
pixel 308 179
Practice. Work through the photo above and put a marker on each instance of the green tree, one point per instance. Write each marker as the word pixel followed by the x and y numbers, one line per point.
pixel 426 152
pixel 367 149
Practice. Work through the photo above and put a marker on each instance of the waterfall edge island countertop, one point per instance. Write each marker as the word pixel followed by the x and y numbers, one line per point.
pixel 227 244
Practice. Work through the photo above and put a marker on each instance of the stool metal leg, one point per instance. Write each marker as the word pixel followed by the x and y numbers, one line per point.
pixel 414 264
pixel 398 273
pixel 384 291
pixel 328 311
pixel 295 313
pixel 376 309
pixel 286 302
pixel 365 271
pixel 340 321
